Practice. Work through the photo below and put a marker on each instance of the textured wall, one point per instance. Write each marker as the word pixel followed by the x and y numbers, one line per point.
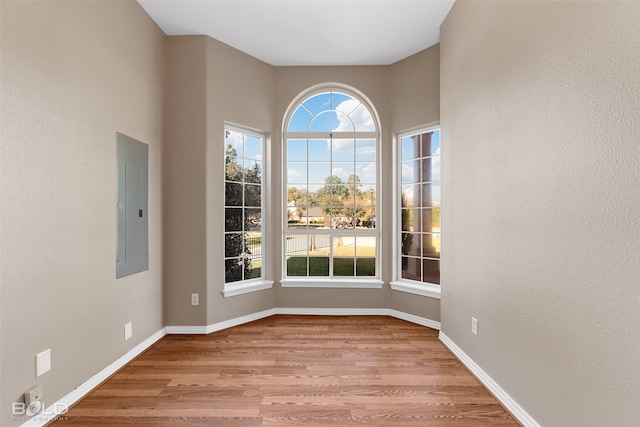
pixel 184 174
pixel 541 238
pixel 73 74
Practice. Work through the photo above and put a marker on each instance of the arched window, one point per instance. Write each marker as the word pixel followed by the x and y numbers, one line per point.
pixel 331 230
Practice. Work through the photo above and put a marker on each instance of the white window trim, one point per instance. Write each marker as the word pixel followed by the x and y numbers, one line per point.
pixel 335 281
pixel 431 290
pixel 332 282
pixel 425 289
pixel 245 286
pixel 252 285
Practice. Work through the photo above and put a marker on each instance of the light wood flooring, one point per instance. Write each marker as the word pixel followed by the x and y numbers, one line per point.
pixel 312 371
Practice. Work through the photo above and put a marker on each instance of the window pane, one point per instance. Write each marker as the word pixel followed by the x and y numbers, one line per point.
pixel 319 150
pixel 342 150
pixel 366 150
pixel 234 143
pixel 318 103
pixel 365 256
pixel 366 172
pixel 296 173
pixel 342 102
pixel 428 195
pixel 299 120
pixel 431 245
pixel 430 143
pixel 233 194
pixel 410 171
pixel 253 171
pixel 410 196
pixel 328 121
pixel 297 150
pixel 362 119
pixel 411 268
pixel 431 271
pixel 252 195
pixel 253 219
pixel 343 256
pixel 319 255
pixel 366 217
pixel 409 148
pixel 233 169
pixel 411 244
pixel 430 169
pixel 233 244
pixel 411 220
pixel 319 172
pixel 253 147
pixel 345 171
pixel 233 219
pixel 233 270
pixel 431 219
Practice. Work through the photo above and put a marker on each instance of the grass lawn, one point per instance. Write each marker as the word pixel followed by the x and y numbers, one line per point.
pixel 319 265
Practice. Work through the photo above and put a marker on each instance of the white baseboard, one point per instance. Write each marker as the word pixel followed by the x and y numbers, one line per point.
pixel 303 311
pixel 516 410
pixel 62 405
pixel 240 320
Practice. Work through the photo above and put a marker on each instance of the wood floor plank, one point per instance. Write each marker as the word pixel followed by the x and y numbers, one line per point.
pixel 285 370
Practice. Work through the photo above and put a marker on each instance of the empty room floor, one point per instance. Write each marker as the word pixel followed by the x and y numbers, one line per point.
pixel 284 370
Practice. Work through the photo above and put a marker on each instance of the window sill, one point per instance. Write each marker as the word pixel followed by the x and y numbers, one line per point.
pixel 331 283
pixel 424 289
pixel 239 288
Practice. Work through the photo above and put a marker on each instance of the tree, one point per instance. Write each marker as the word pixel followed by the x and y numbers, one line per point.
pixel 242 189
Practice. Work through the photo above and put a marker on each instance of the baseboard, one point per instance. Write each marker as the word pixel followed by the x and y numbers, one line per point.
pixel 61 406
pixel 303 311
pixel 240 320
pixel 512 406
pixel 415 319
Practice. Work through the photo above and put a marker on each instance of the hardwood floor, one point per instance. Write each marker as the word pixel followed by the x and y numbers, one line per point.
pixel 312 371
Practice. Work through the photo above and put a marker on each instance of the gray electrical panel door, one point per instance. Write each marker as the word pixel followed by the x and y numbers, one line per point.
pixel 133 239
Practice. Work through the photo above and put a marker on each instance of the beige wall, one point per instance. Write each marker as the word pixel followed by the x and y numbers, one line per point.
pixel 540 125
pixel 240 90
pixel 414 101
pixel 184 178
pixel 73 74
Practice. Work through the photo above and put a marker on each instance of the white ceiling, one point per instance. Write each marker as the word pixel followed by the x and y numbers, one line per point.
pixel 309 32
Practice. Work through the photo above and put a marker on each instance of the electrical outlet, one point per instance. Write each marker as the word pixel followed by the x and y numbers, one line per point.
pixel 195 299
pixel 43 362
pixel 34 394
pixel 128 331
pixel 474 326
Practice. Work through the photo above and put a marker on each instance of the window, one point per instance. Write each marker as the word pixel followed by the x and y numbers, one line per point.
pixel 331 235
pixel 243 212
pixel 418 213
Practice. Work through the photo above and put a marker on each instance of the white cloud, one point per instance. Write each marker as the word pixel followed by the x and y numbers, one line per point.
pixel 293 173
pixel 354 114
pixel 235 139
pixel 340 173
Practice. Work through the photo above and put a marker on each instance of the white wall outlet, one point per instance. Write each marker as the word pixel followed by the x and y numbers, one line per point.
pixel 128 331
pixel 43 362
pixel 34 394
pixel 195 299
pixel 474 326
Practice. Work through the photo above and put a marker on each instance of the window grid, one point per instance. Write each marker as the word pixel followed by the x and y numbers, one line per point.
pixel 243 205
pixel 333 217
pixel 420 206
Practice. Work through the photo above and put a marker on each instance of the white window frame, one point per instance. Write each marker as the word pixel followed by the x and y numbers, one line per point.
pixel 399 283
pixel 261 283
pixel 330 281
